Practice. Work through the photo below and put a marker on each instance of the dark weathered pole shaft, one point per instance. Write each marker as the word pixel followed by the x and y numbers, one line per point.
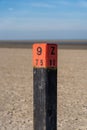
pixel 45 94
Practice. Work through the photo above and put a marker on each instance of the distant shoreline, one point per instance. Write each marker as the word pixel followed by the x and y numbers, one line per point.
pixel 63 44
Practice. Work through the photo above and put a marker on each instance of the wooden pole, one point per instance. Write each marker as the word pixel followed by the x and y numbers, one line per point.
pixel 45 86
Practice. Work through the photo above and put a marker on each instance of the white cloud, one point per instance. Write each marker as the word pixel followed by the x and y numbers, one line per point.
pixel 51 4
pixel 62 2
pixel 43 5
pixel 82 3
pixel 41 24
pixel 10 9
pixel 79 3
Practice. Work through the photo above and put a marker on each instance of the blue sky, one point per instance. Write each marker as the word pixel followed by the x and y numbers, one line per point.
pixel 48 19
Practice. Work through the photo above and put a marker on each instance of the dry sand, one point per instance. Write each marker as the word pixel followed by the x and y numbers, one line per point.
pixel 16 89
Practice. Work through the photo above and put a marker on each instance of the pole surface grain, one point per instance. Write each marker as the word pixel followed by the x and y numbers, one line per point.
pixel 45 86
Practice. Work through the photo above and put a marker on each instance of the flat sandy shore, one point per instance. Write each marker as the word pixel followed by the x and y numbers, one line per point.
pixel 16 89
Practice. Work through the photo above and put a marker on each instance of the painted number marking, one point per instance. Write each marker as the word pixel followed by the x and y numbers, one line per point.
pixel 39 61
pixel 39 51
pixel 53 50
pixel 45 55
pixel 52 60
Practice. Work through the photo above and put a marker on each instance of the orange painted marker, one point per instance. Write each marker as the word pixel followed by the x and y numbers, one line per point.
pixel 44 55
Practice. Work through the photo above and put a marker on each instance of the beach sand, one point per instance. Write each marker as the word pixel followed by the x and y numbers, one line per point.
pixel 16 89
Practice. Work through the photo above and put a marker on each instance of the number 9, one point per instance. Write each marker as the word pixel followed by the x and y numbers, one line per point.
pixel 39 51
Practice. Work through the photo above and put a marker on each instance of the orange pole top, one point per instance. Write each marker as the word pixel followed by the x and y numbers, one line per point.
pixel 44 55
